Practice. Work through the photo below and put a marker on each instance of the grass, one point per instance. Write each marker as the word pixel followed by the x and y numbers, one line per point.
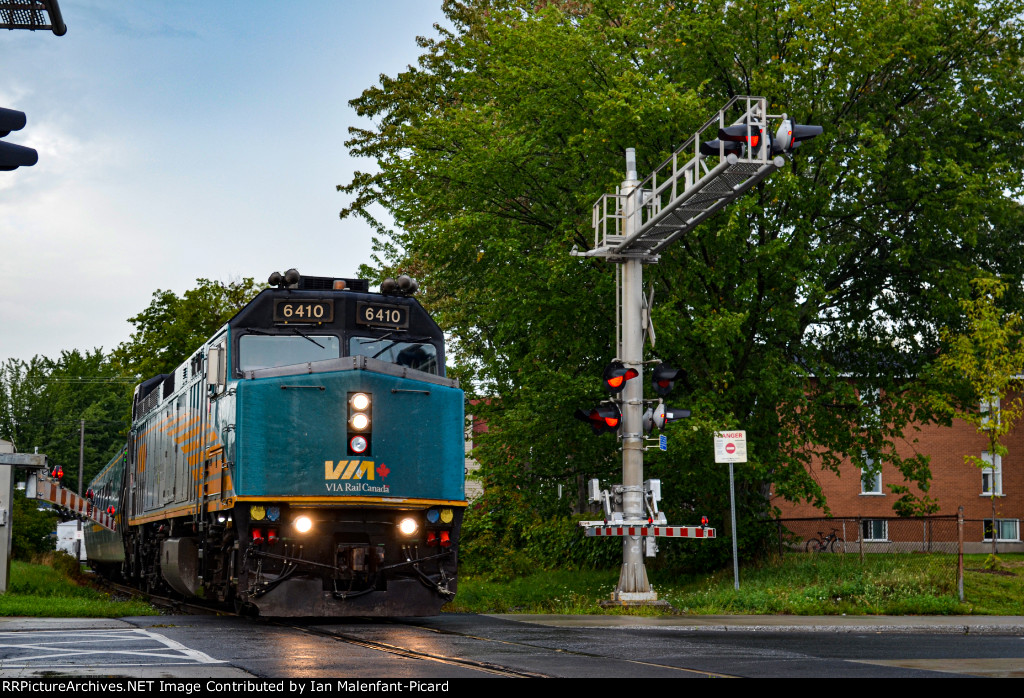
pixel 797 585
pixel 55 588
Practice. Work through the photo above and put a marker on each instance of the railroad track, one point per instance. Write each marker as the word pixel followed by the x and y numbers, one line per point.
pixel 179 606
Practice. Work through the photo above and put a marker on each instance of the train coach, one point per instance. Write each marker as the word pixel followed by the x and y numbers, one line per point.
pixel 307 460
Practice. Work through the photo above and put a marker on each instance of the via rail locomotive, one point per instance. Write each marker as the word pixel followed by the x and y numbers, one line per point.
pixel 307 460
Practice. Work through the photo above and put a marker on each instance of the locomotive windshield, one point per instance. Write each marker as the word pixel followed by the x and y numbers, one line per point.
pixel 269 351
pixel 417 355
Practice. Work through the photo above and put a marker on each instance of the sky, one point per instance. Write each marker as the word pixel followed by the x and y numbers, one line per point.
pixel 182 140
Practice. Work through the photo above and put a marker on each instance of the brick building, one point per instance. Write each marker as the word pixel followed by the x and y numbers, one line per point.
pixel 869 501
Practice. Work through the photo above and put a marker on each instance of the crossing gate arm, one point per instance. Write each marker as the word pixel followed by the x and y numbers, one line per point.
pixel 600 529
pixel 41 486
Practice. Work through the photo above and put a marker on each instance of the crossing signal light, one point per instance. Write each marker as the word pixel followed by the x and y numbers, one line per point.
pixel 14 156
pixel 791 134
pixel 733 139
pixel 751 135
pixel 616 375
pixel 717 148
pixel 602 419
pixel 660 416
pixel 664 377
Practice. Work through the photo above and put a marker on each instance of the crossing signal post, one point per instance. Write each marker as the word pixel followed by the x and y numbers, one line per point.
pixel 14 156
pixel 717 165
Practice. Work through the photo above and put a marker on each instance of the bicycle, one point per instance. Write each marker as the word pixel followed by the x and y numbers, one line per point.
pixel 830 543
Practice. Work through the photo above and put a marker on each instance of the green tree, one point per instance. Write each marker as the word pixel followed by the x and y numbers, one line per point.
pixel 491 151
pixel 32 528
pixel 44 401
pixel 173 326
pixel 979 369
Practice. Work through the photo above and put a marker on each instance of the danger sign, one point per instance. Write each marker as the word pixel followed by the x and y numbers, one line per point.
pixel 730 447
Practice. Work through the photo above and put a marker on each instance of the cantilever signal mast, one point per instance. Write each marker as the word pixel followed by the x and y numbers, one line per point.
pixel 631 228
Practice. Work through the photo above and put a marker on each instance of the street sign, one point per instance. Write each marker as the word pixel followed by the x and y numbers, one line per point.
pixel 730 446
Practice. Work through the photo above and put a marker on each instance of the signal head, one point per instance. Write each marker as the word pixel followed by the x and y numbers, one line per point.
pixel 664 377
pixel 790 135
pixel 14 156
pixel 661 415
pixel 751 135
pixel 616 375
pixel 714 148
pixel 602 419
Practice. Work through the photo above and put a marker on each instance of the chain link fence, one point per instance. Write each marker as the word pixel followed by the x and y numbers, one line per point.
pixel 934 544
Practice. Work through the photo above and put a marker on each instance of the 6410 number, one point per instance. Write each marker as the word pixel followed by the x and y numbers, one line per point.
pixel 303 311
pixel 378 315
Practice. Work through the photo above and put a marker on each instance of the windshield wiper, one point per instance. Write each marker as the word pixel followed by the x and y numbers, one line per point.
pixel 308 338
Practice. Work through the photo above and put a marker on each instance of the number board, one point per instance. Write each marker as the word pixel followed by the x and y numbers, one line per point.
pixel 395 316
pixel 302 311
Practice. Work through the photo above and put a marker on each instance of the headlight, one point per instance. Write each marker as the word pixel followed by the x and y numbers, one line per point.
pixel 360 421
pixel 303 524
pixel 360 401
pixel 358 444
pixel 408 526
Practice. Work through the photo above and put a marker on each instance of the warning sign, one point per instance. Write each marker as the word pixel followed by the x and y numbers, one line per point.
pixel 730 447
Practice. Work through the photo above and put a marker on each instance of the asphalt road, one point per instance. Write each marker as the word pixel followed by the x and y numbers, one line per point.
pixel 463 646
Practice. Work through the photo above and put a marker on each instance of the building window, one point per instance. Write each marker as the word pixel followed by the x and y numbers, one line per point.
pixel 870 408
pixel 874 529
pixel 992 476
pixel 870 476
pixel 1006 529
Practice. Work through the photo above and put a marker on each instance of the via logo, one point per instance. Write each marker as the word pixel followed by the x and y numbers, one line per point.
pixel 353 470
pixel 348 470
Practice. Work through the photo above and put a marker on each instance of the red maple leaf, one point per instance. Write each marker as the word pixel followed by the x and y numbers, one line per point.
pixel 383 470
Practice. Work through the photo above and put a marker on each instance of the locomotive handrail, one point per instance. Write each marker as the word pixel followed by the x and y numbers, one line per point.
pixel 350 363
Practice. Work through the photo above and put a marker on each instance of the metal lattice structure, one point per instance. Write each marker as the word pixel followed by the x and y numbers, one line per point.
pixel 32 15
pixel 685 190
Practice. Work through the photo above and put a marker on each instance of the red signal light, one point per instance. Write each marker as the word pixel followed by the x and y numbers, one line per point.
pixel 602 419
pixel 446 540
pixel 616 375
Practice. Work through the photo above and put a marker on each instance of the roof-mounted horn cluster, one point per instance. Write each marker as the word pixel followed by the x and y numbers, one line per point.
pixel 403 286
pixel 290 279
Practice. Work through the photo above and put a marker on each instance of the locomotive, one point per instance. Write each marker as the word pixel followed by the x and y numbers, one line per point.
pixel 306 460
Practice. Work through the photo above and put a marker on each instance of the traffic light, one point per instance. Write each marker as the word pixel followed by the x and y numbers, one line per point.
pixel 14 156
pixel 616 375
pixel 604 418
pixel 790 135
pixel 664 377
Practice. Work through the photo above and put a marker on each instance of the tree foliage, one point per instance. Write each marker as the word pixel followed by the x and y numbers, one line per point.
pixel 491 151
pixel 173 326
pixel 979 371
pixel 44 401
